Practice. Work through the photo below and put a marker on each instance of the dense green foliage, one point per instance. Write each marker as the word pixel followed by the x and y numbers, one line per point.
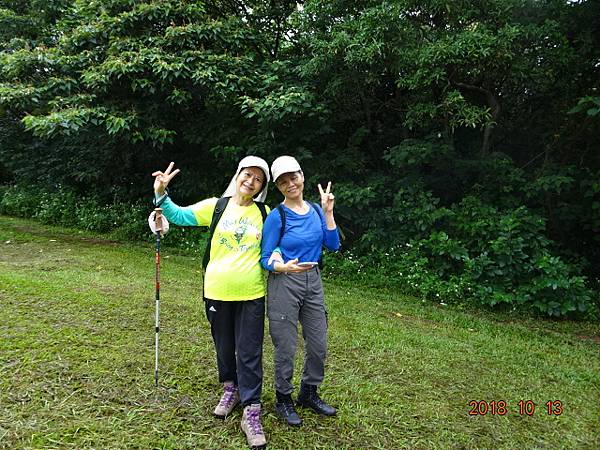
pixel 461 137
pixel 123 221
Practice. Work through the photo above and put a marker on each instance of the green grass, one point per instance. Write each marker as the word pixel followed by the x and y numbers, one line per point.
pixel 77 361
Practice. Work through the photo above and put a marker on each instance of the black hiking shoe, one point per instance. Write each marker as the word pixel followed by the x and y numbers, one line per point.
pixel 285 409
pixel 309 398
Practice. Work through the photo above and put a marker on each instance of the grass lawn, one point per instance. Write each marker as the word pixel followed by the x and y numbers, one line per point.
pixel 77 361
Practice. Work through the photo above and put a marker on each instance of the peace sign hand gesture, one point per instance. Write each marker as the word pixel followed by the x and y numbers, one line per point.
pixel 327 198
pixel 162 179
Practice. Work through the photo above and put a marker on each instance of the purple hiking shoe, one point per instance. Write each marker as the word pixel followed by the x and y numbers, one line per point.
pixel 253 428
pixel 229 400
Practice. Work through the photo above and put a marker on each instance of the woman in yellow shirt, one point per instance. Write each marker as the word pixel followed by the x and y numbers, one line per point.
pixel 234 287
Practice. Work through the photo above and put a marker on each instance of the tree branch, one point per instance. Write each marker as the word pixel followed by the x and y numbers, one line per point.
pixel 495 108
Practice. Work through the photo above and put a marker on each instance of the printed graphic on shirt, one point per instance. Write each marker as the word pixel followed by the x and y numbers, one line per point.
pixel 238 235
pixel 233 272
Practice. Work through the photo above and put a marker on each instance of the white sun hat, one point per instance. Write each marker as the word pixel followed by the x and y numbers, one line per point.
pixel 284 164
pixel 250 161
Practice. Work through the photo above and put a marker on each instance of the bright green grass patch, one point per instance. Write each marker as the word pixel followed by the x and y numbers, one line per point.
pixel 77 361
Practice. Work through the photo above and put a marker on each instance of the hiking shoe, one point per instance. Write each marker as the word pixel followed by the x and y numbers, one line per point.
pixel 309 398
pixel 229 400
pixel 286 411
pixel 252 427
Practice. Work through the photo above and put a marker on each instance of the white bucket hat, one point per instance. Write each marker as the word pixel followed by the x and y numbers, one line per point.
pixel 284 164
pixel 250 161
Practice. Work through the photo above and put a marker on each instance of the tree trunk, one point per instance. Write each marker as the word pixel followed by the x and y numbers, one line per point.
pixel 494 105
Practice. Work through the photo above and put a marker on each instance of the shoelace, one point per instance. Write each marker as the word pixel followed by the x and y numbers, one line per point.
pixel 254 421
pixel 228 397
pixel 318 401
pixel 289 408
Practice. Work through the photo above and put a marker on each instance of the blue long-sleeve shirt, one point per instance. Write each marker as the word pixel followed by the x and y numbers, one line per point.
pixel 304 236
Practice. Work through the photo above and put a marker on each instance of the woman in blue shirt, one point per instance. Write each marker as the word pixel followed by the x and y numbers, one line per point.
pixel 294 287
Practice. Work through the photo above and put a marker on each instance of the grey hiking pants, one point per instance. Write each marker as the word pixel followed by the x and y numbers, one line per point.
pixel 291 298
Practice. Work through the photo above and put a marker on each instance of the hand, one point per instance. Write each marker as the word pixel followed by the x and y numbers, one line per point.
pixel 291 267
pixel 162 179
pixel 275 257
pixel 327 198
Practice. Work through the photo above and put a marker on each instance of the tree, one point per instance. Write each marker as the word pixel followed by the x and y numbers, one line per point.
pixel 127 79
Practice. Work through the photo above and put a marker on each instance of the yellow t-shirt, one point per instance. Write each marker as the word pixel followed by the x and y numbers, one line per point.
pixel 233 271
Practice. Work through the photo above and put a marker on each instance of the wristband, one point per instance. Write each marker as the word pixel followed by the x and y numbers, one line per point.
pixel 160 200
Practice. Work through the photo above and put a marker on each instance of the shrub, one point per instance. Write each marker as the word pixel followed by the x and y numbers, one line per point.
pixel 58 208
pixel 18 201
pixel 473 252
pixel 122 220
pixel 470 252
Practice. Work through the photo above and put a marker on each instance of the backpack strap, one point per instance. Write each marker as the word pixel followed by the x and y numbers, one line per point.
pixel 263 210
pixel 317 209
pixel 282 216
pixel 217 213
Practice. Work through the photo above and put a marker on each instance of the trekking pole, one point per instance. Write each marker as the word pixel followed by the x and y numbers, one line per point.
pixel 159 229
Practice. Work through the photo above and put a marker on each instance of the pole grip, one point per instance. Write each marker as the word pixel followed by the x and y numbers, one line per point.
pixel 158 219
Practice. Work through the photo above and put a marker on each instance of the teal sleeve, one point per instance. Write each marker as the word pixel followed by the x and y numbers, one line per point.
pixel 176 214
